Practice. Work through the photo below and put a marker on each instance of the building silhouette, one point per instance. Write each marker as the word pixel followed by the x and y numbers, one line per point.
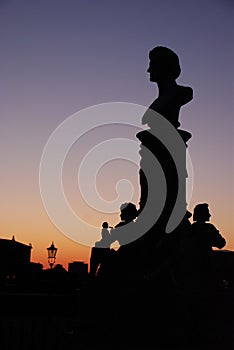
pixel 14 259
pixel 78 269
pixel 78 273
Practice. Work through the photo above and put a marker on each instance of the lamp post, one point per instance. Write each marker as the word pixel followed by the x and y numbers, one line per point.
pixel 52 251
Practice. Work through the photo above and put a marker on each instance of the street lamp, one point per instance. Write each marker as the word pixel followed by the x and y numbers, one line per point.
pixel 52 251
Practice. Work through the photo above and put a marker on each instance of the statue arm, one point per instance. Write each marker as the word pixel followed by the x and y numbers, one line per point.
pixel 114 234
pixel 218 241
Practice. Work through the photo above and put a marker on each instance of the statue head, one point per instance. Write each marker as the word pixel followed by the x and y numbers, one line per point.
pixel 201 212
pixel 164 64
pixel 128 212
pixel 105 224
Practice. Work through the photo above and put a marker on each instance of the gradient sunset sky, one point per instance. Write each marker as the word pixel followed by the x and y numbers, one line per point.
pixel 59 57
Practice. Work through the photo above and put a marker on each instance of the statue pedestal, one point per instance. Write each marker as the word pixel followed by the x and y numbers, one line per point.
pixel 174 176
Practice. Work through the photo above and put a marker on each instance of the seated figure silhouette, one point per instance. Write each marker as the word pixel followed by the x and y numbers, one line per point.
pixel 106 237
pixel 207 234
pixel 122 262
pixel 128 213
pixel 101 250
pixel 197 250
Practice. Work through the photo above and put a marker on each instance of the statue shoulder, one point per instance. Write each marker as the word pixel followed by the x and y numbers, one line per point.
pixel 185 93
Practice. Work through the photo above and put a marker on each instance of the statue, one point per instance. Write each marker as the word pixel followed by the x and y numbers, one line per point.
pixel 138 251
pixel 164 69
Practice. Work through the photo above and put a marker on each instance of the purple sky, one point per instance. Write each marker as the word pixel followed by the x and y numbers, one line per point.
pixel 58 57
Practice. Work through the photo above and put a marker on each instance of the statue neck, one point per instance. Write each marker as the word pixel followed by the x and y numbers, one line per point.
pixel 164 85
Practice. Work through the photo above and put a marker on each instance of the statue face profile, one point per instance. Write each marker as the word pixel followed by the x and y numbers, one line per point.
pixel 164 64
pixel 128 212
pixel 154 69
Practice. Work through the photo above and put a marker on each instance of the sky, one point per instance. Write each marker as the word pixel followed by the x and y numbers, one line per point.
pixel 61 57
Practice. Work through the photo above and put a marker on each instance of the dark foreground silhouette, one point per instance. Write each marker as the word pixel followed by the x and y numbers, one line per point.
pixel 158 290
pixel 165 287
pixel 180 302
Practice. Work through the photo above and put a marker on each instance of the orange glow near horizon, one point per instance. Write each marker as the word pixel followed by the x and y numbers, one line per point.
pixel 38 230
pixel 28 221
